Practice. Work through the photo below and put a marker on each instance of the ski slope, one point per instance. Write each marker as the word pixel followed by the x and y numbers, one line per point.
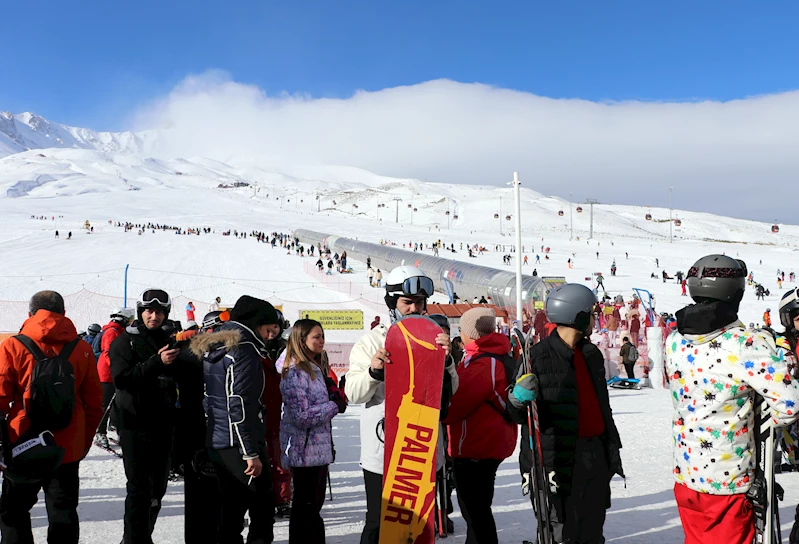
pixel 75 185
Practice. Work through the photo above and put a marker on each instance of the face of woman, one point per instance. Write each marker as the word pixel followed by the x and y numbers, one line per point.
pixel 796 322
pixel 315 341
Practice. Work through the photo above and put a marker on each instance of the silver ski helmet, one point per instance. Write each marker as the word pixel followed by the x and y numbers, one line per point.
pixel 571 305
pixel 789 308
pixel 717 277
pixel 95 328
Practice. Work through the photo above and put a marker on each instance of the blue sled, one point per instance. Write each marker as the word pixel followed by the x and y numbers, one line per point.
pixel 624 383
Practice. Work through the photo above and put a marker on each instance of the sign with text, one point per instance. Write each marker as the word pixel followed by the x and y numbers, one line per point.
pixel 336 320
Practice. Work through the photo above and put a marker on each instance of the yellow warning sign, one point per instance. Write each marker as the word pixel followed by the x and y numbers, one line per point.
pixel 337 320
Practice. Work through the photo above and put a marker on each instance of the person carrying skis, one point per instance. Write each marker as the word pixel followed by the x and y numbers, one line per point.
pixel 717 369
pixel 789 318
pixel 407 291
pixel 578 436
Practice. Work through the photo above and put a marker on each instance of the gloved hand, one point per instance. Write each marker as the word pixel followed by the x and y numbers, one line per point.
pixel 334 394
pixel 525 391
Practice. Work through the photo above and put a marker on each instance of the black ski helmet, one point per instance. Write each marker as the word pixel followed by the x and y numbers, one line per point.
pixel 789 308
pixel 717 277
pixel 213 319
pixel 153 299
pixel 571 305
pixel 441 320
pixel 94 328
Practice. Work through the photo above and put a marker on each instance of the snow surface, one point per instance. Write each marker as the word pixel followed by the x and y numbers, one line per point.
pixel 75 185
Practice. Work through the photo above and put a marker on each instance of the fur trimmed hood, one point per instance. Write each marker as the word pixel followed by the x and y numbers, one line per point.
pixel 203 343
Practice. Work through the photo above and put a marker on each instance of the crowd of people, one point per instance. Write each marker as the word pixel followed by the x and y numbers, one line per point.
pixel 241 405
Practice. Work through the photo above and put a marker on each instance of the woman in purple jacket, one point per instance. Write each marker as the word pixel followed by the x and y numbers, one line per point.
pixel 309 404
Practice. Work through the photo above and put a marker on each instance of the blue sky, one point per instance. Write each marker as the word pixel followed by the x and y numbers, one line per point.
pixel 92 63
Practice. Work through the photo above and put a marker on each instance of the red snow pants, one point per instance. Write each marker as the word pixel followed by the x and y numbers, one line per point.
pixel 706 518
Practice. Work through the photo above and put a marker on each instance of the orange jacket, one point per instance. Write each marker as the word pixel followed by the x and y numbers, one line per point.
pixel 51 332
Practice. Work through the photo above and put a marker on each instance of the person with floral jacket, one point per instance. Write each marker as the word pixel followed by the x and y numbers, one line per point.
pixel 310 401
pixel 717 369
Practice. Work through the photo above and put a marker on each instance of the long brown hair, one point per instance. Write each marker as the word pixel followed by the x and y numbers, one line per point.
pixel 297 353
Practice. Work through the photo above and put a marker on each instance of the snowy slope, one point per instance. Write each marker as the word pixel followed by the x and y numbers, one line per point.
pixel 25 131
pixel 70 186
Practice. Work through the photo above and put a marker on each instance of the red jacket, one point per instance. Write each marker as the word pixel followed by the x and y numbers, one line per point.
pixel 477 430
pixel 51 332
pixel 110 333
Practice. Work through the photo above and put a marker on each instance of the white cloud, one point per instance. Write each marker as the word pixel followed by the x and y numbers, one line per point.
pixel 718 156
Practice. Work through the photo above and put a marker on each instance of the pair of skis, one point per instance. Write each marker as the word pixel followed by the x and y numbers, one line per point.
pixel 539 483
pixel 765 493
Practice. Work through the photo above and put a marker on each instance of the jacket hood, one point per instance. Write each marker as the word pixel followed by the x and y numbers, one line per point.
pixel 49 328
pixel 113 325
pixel 493 343
pixel 203 343
pixel 702 323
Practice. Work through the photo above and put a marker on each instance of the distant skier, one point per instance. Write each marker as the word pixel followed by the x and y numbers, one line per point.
pixel 713 451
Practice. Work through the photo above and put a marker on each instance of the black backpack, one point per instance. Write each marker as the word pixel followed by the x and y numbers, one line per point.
pixel 52 387
pixel 510 364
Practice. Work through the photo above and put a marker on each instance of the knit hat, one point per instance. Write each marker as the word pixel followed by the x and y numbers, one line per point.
pixel 478 322
pixel 252 312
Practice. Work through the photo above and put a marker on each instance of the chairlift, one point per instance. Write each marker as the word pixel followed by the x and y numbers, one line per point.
pixel 410 205
pixel 455 217
pixel 507 218
pixel 496 216
pixel 416 209
pixel 649 217
pixel 775 228
pixel 677 222
pixel 579 209
pixel 560 213
pixel 447 212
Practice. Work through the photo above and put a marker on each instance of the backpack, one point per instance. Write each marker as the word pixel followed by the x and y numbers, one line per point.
pixel 510 364
pixel 632 355
pixel 97 345
pixel 52 387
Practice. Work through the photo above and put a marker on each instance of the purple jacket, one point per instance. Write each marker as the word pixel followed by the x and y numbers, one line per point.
pixel 306 438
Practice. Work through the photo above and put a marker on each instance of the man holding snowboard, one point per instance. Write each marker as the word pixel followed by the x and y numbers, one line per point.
pixel 407 291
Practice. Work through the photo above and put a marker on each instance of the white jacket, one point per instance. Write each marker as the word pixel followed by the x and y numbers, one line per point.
pixel 713 380
pixel 361 388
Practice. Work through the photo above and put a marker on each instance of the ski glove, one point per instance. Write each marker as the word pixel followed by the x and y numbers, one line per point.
pixel 525 390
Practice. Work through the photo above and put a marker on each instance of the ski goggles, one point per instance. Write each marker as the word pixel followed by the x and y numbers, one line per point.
pixel 413 287
pixel 155 297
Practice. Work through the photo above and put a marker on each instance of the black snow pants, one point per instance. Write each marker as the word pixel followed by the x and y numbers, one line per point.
pixel 474 479
pixel 108 394
pixel 305 524
pixel 630 368
pixel 374 493
pixel 61 501
pixel 147 458
pixel 242 494
pixel 579 517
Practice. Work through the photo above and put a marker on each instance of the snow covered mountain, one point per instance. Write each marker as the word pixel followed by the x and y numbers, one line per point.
pixel 25 131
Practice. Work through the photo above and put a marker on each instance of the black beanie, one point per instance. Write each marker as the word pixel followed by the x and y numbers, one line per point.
pixel 252 312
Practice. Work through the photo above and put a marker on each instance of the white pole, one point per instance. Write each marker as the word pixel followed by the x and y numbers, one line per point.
pixel 671 223
pixel 571 218
pixel 516 195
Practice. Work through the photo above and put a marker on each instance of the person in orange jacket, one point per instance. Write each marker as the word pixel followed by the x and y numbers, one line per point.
pixel 767 318
pixel 49 328
pixel 481 435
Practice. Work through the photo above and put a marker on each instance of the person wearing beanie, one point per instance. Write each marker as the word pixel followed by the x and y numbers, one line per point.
pixel 481 435
pixel 233 373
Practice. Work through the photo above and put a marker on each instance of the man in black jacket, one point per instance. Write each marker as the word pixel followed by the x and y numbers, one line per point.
pixel 144 377
pixel 579 440
pixel 233 373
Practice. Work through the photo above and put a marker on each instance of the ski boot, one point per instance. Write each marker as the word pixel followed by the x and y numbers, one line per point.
pixel 102 441
pixel 283 510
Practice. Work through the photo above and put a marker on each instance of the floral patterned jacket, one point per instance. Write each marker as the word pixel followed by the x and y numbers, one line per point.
pixel 715 379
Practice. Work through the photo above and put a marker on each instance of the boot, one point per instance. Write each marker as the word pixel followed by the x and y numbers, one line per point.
pixel 102 441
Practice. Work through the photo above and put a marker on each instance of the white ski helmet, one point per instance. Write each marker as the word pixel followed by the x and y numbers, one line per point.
pixel 407 281
pixel 126 314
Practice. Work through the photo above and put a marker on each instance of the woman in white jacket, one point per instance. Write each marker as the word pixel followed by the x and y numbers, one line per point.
pixel 407 291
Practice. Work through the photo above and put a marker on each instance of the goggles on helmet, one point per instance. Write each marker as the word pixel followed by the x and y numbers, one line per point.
pixel 413 287
pixel 155 297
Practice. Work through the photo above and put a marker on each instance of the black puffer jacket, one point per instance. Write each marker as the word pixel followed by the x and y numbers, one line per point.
pixel 552 362
pixel 146 392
